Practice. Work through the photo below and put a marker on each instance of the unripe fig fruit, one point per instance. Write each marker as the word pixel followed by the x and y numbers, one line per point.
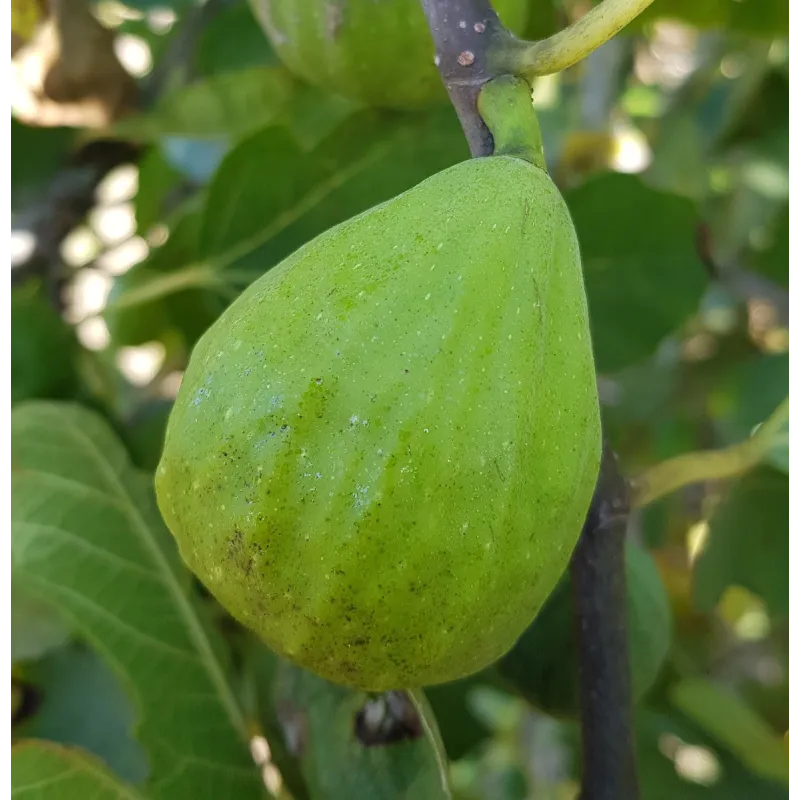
pixel 382 453
pixel 379 52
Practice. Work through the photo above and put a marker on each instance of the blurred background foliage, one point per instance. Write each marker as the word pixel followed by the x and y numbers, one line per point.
pixel 163 158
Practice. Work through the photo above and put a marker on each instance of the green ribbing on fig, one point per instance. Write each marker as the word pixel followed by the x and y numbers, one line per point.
pixel 382 452
pixel 506 106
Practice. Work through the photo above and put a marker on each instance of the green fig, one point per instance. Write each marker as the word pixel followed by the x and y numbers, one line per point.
pixel 379 52
pixel 382 452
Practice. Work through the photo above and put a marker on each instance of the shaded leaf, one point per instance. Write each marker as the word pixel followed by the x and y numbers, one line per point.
pixel 157 178
pixel 751 391
pixel 543 19
pixel 43 348
pixel 677 760
pixel 86 537
pixel 748 543
pixel 779 452
pixel 36 627
pixel 233 42
pixel 729 721
pixel 44 771
pixel 81 703
pixel 762 112
pixel 460 729
pixel 679 155
pixel 259 673
pixel 38 154
pixel 225 106
pixel 756 17
pixel 773 260
pixel 354 745
pixel 643 276
pixel 144 433
pixel 312 115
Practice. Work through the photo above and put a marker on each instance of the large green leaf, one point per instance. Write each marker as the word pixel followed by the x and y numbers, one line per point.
pixel 643 276
pixel 748 544
pixel 87 538
pixel 45 771
pixel 354 745
pixel 81 703
pixel 732 723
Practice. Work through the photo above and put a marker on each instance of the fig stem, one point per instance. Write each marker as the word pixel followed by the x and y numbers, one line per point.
pixel 711 465
pixel 567 47
pixel 506 105
pixel 600 617
pixel 463 32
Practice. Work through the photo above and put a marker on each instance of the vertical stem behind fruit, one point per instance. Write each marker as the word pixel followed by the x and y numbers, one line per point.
pixel 597 573
pixel 462 31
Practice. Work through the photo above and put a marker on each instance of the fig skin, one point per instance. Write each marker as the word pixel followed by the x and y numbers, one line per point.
pixel 382 452
pixel 379 52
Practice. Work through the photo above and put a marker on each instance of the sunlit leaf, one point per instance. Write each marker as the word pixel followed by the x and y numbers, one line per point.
pixel 86 538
